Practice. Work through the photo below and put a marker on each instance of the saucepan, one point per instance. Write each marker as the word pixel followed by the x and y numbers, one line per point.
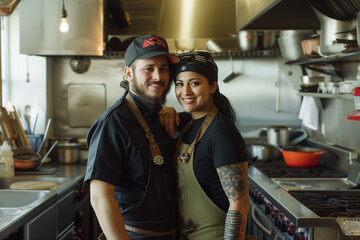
pixel 303 157
pixel 264 152
pixel 279 135
pixel 30 160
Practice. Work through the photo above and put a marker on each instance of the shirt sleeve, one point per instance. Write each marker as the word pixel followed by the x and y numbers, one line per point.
pixel 228 147
pixel 105 153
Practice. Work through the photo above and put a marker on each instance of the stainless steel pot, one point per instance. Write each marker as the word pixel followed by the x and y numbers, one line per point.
pixel 290 43
pixel 68 153
pixel 248 40
pixel 279 135
pixel 264 151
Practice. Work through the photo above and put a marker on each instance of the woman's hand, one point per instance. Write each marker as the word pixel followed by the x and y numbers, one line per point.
pixel 169 119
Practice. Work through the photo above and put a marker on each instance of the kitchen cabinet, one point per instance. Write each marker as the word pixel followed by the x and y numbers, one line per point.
pixel 43 226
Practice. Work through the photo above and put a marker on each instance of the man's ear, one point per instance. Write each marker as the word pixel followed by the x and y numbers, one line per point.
pixel 128 73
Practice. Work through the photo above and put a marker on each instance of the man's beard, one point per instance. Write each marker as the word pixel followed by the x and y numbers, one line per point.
pixel 142 94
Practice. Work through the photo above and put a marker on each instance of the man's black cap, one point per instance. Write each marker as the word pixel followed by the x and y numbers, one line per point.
pixel 200 62
pixel 147 47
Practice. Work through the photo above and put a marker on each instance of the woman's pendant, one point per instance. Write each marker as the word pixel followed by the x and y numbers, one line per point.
pixel 184 157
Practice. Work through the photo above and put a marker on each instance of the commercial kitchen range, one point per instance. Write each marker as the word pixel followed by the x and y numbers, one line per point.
pixel 320 203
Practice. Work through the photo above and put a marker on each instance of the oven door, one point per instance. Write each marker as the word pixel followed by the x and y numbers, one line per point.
pixel 260 225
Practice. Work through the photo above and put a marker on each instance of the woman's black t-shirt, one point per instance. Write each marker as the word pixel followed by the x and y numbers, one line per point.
pixel 221 144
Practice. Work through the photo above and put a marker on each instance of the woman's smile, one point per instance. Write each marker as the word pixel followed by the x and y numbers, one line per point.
pixel 194 93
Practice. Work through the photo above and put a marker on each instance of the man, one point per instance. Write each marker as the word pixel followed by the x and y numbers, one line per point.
pixel 129 167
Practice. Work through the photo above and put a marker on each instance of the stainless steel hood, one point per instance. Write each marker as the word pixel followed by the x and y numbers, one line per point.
pixel 184 23
pixel 275 14
pixel 178 18
pixel 8 6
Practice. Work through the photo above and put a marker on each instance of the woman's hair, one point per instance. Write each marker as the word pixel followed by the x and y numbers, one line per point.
pixel 202 63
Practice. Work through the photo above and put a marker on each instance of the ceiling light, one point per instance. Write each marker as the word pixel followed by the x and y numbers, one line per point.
pixel 64 25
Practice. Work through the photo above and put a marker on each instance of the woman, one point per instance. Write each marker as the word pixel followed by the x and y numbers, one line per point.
pixel 213 196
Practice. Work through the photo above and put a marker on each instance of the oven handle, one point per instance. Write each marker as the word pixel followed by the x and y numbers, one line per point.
pixel 257 222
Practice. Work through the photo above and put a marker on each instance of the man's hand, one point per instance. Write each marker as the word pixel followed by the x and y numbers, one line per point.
pixel 169 119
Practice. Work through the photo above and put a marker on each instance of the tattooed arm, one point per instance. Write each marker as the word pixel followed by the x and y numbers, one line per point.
pixel 234 180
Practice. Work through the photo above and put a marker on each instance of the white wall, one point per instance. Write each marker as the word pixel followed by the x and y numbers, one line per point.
pixel 21 92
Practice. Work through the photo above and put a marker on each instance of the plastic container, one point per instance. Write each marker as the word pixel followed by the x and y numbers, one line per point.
pixel 6 161
pixel 356 94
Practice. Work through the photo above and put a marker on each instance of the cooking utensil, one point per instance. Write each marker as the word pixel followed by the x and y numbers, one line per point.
pixel 8 127
pixel 33 185
pixel 279 135
pixel 37 115
pixel 264 152
pixel 328 29
pixel 305 157
pixel 31 161
pixel 267 39
pixel 27 117
pixel 310 46
pixel 248 40
pixel 45 136
pixel 24 140
pixel 232 75
pixel 68 153
pixel 290 43
pixel 311 81
pixel 252 161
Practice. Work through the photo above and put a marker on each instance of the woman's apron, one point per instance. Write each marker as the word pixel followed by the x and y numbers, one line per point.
pixel 199 217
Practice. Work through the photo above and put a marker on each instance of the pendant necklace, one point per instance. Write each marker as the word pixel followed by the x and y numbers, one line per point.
pixel 185 156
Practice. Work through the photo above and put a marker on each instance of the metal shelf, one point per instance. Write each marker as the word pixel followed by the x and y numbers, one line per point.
pixel 339 57
pixel 255 53
pixel 327 95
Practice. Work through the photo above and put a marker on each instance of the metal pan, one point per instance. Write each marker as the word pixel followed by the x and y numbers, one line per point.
pixel 31 161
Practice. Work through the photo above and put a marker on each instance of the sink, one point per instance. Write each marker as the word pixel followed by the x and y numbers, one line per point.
pixel 6 182
pixel 8 212
pixel 19 198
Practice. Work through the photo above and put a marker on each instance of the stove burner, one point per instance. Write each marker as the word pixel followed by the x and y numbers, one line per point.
pixel 331 204
pixel 276 169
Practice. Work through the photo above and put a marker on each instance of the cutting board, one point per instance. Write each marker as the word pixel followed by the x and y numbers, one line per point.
pixel 33 185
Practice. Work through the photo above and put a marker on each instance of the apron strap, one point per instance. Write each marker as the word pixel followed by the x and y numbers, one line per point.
pixel 155 150
pixel 209 118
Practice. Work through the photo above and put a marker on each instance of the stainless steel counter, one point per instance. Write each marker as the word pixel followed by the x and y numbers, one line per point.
pixel 73 174
pixel 296 212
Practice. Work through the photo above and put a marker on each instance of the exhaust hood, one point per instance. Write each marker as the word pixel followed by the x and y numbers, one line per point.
pixel 8 6
pixel 275 14
pixel 188 21
pixel 94 22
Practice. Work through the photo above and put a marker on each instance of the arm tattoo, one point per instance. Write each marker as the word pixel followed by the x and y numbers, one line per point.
pixel 232 225
pixel 233 180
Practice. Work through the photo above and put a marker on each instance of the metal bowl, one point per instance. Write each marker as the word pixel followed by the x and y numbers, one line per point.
pixel 264 151
pixel 311 81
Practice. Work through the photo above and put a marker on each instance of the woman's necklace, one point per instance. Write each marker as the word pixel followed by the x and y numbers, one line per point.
pixel 185 156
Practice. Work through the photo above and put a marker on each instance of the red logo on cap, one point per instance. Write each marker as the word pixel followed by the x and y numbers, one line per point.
pixel 154 41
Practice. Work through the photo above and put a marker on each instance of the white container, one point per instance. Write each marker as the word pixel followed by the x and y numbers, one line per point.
pixel 6 161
